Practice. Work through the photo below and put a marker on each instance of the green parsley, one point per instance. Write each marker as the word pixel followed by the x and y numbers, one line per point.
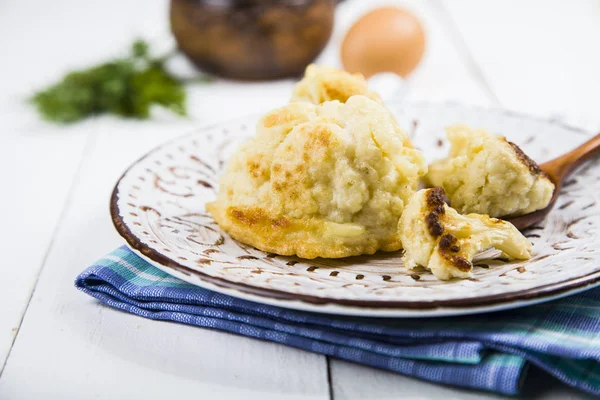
pixel 127 87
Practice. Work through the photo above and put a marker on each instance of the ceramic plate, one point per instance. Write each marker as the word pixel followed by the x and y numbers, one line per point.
pixel 158 207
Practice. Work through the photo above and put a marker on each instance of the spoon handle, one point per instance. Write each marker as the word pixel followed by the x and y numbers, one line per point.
pixel 561 167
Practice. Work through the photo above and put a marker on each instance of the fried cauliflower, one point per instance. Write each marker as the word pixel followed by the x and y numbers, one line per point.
pixel 487 174
pixel 437 237
pixel 322 83
pixel 327 180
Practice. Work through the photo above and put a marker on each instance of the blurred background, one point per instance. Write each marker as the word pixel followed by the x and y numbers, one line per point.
pixel 534 56
pixel 537 57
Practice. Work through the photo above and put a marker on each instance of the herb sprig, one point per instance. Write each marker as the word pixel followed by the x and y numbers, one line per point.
pixel 127 87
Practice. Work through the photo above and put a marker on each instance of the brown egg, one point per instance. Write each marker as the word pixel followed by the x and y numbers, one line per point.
pixel 387 39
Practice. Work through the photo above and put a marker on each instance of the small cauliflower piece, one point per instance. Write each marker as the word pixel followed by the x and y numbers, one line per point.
pixel 437 237
pixel 322 83
pixel 487 174
pixel 328 180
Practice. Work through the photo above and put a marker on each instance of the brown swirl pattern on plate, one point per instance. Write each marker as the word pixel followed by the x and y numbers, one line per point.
pixel 158 206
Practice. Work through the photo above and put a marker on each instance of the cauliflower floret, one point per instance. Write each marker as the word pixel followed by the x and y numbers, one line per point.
pixel 326 180
pixel 435 236
pixel 487 174
pixel 322 83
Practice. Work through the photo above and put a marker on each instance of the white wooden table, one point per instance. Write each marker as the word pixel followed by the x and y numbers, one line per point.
pixel 539 57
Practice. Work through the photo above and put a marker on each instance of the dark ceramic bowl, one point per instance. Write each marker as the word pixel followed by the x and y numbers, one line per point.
pixel 252 39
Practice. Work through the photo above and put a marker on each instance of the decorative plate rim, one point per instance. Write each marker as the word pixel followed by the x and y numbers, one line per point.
pixel 550 291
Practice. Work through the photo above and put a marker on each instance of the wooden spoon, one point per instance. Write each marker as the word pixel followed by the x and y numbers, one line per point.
pixel 558 170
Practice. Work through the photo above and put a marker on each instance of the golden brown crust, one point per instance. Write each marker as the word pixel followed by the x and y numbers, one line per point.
pixel 486 174
pixel 287 236
pixel 314 183
pixel 435 204
pixel 533 167
pixel 435 198
pixel 280 116
pixel 448 247
pixel 445 241
pixel 322 83
pixel 256 217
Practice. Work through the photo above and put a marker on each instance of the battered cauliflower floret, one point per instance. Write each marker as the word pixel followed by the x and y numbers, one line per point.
pixel 435 236
pixel 322 83
pixel 487 174
pixel 326 180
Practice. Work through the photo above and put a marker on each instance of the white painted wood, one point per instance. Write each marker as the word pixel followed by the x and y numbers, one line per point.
pixel 441 75
pixel 38 161
pixel 69 344
pixel 71 347
pixel 39 41
pixel 35 206
pixel 538 56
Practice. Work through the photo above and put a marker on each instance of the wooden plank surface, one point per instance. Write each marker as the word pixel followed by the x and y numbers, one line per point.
pixel 539 56
pixel 442 74
pixel 36 177
pixel 39 161
pixel 69 346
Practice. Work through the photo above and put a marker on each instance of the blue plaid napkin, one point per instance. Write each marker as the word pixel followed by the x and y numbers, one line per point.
pixel 489 352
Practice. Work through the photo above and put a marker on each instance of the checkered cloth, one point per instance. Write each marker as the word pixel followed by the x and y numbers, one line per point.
pixel 489 352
